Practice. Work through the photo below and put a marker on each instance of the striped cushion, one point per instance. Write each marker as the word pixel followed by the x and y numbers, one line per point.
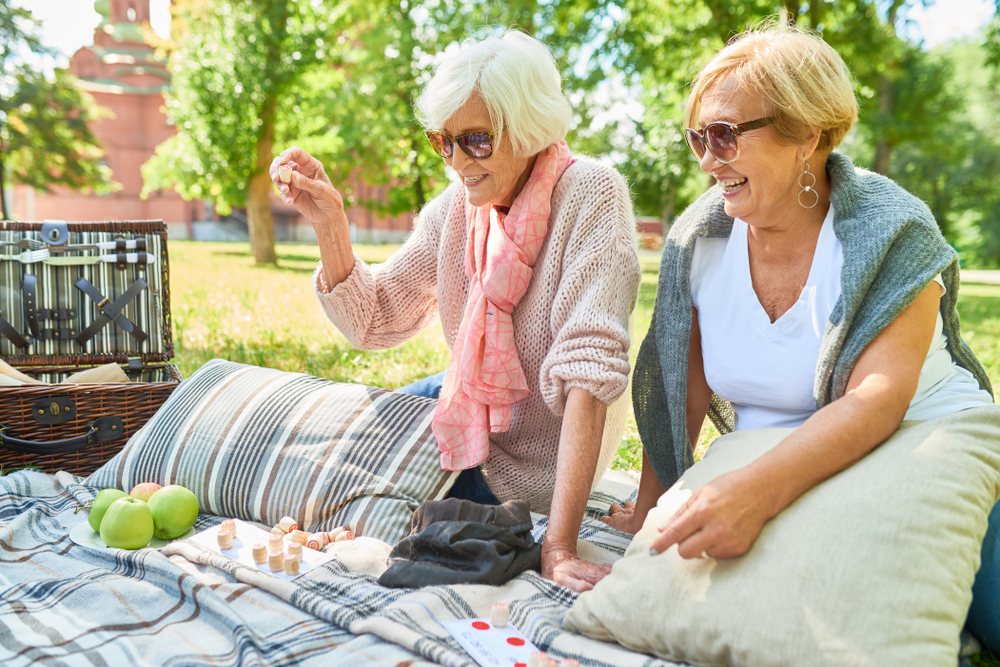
pixel 259 444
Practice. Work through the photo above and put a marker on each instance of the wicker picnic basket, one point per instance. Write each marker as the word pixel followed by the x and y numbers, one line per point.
pixel 75 296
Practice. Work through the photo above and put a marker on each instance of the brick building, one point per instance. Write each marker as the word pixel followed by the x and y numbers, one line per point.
pixel 123 74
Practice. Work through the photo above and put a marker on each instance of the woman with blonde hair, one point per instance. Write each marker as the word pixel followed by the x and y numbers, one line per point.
pixel 529 261
pixel 799 291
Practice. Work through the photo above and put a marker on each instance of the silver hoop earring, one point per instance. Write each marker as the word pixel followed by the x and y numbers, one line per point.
pixel 807 188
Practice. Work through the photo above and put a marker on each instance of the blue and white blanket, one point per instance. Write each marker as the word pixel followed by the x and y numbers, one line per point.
pixel 61 603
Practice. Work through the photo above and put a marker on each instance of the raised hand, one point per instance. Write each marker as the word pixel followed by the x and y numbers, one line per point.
pixel 310 190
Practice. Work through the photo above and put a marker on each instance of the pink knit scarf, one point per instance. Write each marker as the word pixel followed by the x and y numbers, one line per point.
pixel 484 376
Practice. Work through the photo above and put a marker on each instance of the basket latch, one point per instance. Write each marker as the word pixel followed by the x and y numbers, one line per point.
pixel 54 410
pixel 55 232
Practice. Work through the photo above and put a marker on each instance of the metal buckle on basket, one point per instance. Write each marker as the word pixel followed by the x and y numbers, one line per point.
pixel 103 303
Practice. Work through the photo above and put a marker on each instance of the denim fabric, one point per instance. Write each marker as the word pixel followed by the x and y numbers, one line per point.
pixel 470 484
pixel 429 387
pixel 984 615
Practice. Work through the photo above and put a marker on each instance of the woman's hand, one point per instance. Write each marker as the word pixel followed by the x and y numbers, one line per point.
pixel 310 191
pixel 721 519
pixel 563 567
pixel 313 195
pixel 624 518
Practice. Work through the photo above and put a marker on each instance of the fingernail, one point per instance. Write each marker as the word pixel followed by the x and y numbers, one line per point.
pixel 663 525
pixel 653 552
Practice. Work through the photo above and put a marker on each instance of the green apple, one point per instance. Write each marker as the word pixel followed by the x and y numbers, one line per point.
pixel 144 491
pixel 101 503
pixel 174 510
pixel 128 524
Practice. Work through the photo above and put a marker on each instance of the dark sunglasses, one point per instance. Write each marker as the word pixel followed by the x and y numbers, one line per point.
pixel 477 145
pixel 720 138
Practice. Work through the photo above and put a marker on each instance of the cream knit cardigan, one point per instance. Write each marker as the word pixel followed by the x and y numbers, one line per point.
pixel 571 328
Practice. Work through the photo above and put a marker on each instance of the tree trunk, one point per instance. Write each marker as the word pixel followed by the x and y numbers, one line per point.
pixel 418 183
pixel 884 143
pixel 259 220
pixel 3 199
pixel 815 14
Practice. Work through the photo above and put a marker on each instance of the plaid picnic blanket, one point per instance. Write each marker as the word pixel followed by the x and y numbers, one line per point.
pixel 185 605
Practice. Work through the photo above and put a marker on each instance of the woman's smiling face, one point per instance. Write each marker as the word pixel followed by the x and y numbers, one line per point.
pixel 761 186
pixel 496 180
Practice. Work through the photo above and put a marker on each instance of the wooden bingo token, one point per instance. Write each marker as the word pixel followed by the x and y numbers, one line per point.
pixel 500 615
pixel 299 536
pixel 275 543
pixel 288 524
pixel 259 554
pixel 276 561
pixel 295 549
pixel 225 540
pixel 291 564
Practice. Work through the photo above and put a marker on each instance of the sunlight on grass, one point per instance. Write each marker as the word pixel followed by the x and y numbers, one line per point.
pixel 223 306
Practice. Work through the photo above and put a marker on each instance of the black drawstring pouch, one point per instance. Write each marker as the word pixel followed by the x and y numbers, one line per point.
pixel 456 541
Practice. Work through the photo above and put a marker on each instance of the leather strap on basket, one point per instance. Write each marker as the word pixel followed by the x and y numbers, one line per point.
pixel 29 291
pixel 111 312
pixel 11 334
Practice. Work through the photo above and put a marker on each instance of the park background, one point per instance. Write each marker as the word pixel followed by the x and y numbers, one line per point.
pixel 222 85
pixel 226 84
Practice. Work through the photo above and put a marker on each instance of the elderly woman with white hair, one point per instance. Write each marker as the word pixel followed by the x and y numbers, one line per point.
pixel 530 262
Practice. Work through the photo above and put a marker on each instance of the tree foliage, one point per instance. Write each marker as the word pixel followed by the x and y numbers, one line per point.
pixel 348 97
pixel 45 137
pixel 229 71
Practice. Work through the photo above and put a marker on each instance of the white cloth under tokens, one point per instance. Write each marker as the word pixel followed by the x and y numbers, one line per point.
pixel 500 615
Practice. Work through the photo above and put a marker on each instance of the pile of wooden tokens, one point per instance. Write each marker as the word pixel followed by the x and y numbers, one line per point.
pixel 280 557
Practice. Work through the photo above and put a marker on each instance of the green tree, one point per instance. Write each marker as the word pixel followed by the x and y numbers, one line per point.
pixel 230 69
pixel 45 138
pixel 357 109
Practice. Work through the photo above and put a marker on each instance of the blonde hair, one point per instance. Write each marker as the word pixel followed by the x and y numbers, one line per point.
pixel 516 76
pixel 802 79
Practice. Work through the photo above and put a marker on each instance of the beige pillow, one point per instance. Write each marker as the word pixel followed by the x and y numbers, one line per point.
pixel 872 567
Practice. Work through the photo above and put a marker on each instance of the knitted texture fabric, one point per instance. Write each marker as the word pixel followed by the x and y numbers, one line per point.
pixel 892 250
pixel 485 376
pixel 571 328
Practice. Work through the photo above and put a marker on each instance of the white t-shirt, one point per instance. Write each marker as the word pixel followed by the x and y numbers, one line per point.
pixel 767 369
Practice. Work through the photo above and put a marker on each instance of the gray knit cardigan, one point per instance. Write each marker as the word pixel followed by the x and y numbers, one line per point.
pixel 892 250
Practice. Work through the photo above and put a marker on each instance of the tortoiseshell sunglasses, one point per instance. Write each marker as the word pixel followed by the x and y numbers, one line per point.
pixel 720 138
pixel 477 145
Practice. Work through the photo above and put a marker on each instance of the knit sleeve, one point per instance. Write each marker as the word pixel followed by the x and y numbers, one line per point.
pixel 595 297
pixel 383 305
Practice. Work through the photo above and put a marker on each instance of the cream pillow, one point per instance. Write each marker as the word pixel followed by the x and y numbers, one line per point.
pixel 872 567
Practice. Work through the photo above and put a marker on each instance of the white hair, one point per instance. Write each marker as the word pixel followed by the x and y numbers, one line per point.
pixel 516 76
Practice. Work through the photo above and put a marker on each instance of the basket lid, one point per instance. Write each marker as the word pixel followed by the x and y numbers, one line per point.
pixel 84 293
